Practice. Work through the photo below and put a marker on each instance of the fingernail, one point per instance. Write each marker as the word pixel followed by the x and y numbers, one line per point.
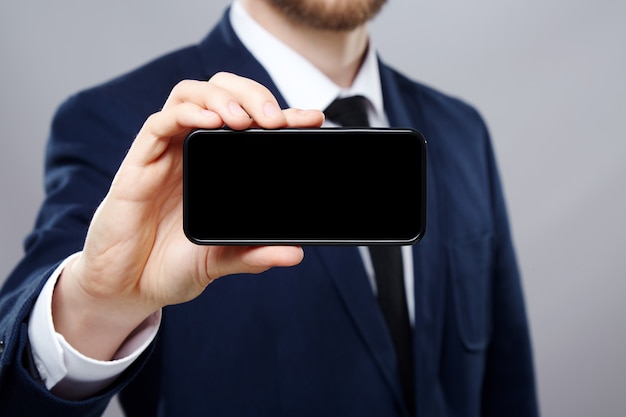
pixel 271 109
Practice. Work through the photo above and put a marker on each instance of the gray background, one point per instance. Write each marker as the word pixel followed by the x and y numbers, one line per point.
pixel 549 75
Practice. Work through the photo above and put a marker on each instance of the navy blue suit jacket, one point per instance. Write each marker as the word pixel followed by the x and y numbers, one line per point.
pixel 302 341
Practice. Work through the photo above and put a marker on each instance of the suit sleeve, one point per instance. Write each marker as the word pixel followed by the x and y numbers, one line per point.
pixel 509 384
pixel 82 155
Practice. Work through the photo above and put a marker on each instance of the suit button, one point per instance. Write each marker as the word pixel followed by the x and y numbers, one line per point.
pixel 1 346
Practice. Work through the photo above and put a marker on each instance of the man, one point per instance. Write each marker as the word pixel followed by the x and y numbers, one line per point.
pixel 121 301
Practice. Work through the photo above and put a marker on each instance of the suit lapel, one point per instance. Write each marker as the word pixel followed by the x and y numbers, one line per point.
pixel 404 109
pixel 345 266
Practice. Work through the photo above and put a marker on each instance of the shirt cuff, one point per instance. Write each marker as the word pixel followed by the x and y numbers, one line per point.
pixel 64 370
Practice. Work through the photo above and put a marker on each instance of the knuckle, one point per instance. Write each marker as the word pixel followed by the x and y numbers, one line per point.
pixel 183 85
pixel 220 77
pixel 153 118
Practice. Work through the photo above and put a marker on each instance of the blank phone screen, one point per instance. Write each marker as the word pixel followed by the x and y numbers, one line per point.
pixel 304 186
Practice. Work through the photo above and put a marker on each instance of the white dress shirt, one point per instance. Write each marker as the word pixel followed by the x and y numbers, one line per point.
pixel 72 375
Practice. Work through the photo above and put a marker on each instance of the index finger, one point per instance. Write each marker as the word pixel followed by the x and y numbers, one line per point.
pixel 253 97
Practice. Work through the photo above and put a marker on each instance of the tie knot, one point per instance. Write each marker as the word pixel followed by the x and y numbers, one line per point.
pixel 348 111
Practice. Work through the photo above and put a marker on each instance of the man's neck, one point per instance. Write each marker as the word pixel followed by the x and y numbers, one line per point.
pixel 337 54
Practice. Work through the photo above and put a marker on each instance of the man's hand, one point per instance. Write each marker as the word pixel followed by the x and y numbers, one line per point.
pixel 136 258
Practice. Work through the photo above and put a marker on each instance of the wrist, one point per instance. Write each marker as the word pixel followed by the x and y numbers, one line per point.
pixel 94 324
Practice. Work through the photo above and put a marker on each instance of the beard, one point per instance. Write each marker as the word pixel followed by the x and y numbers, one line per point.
pixel 333 15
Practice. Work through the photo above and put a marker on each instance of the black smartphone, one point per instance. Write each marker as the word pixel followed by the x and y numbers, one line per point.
pixel 327 186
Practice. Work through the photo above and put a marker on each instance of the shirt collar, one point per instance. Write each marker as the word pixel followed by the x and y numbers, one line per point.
pixel 302 84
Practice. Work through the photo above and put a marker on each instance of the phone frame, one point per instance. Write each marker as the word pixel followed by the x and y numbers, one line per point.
pixel 418 198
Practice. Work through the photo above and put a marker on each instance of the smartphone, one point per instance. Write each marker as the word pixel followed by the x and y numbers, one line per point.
pixel 322 186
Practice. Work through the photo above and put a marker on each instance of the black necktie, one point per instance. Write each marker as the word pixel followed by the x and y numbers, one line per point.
pixel 387 263
pixel 348 111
